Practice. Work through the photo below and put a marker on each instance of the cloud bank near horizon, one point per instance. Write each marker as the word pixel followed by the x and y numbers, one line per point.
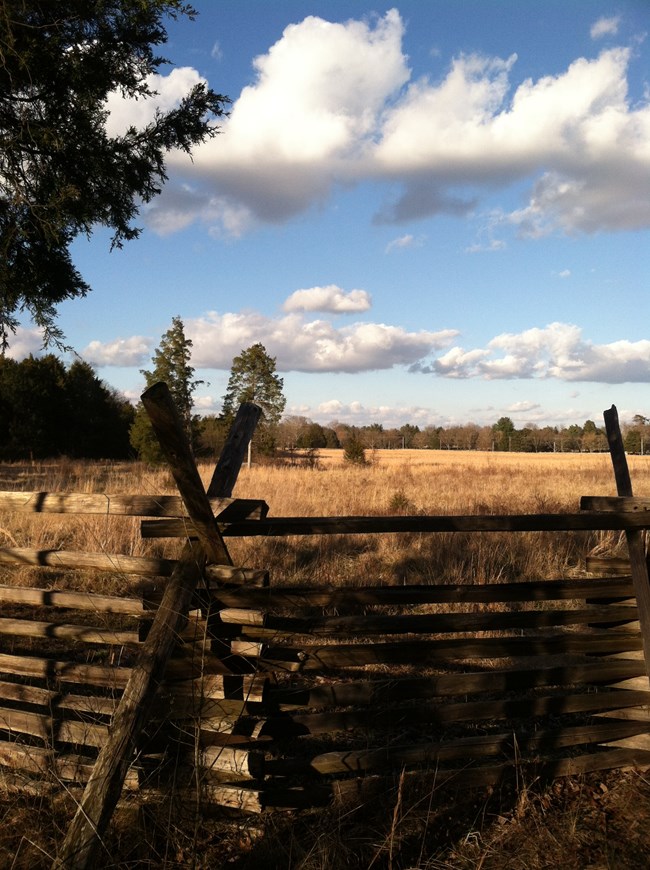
pixel 558 351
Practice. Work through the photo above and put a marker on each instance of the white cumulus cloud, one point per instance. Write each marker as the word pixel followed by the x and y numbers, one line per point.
pixel 133 351
pixel 25 342
pixel 169 91
pixel 329 298
pixel 309 345
pixel 333 104
pixel 558 351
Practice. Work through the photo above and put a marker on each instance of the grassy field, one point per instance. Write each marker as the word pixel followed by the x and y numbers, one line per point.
pixel 598 821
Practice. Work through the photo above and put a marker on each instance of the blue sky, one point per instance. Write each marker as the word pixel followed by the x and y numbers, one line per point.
pixel 433 213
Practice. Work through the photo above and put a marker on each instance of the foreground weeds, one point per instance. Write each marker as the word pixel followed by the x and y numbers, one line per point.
pixel 598 821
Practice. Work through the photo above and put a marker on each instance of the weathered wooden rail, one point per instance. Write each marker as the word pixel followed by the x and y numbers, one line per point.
pixel 272 696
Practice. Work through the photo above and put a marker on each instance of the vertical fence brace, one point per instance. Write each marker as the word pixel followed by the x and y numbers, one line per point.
pixel 635 537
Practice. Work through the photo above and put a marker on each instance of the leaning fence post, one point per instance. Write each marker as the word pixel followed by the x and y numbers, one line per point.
pixel 105 784
pixel 635 537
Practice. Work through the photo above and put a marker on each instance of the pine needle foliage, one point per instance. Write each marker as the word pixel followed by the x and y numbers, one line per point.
pixel 171 364
pixel 63 171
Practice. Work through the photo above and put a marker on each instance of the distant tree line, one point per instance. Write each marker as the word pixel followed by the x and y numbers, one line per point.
pixel 48 410
pixel 500 436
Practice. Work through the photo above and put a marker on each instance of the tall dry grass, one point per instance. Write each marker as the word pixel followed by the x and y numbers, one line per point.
pixel 394 482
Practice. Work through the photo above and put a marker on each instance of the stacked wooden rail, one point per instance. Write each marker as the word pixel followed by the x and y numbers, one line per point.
pixel 66 656
pixel 469 685
pixel 286 697
pixel 283 696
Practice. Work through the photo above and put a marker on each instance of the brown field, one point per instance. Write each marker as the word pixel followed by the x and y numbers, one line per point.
pixel 596 821
pixel 395 482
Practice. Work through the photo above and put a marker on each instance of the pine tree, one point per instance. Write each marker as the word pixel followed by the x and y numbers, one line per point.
pixel 171 364
pixel 253 379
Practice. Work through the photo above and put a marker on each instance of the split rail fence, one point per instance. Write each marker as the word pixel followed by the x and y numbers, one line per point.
pixel 273 696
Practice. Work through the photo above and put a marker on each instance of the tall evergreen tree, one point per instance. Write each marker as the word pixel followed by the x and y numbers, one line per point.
pixel 35 390
pixel 48 411
pixel 253 379
pixel 98 418
pixel 171 364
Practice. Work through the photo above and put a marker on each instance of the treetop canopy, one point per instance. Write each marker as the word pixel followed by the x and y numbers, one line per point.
pixel 61 173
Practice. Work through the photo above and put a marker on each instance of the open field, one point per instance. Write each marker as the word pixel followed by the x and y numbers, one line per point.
pixel 396 482
pixel 597 821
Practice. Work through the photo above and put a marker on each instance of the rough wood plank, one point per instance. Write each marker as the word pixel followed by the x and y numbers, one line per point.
pixel 246 763
pixel 587 521
pixel 241 687
pixel 311 658
pixel 183 528
pixel 122 505
pixel 360 761
pixel 444 593
pixel 244 800
pixel 52 730
pixel 186 664
pixel 637 714
pixel 115 564
pixel 285 727
pixel 80 633
pixel 211 713
pixel 57 700
pixel 372 692
pixel 640 683
pixel 260 623
pixel 232 456
pixel 48 763
pixel 169 430
pixel 220 574
pixel 108 676
pixel 619 504
pixel 73 600
pixel 607 565
pixel 640 741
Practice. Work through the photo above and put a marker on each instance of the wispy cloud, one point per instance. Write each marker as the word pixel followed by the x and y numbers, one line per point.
pixel 605 27
pixel 403 242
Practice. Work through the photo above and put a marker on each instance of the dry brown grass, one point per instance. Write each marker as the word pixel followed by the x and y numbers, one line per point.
pixel 599 821
pixel 395 482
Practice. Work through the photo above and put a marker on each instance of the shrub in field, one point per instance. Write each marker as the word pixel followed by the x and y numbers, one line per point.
pixel 354 452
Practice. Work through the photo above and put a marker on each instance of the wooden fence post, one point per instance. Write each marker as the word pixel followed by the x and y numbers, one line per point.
pixel 105 784
pixel 635 538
